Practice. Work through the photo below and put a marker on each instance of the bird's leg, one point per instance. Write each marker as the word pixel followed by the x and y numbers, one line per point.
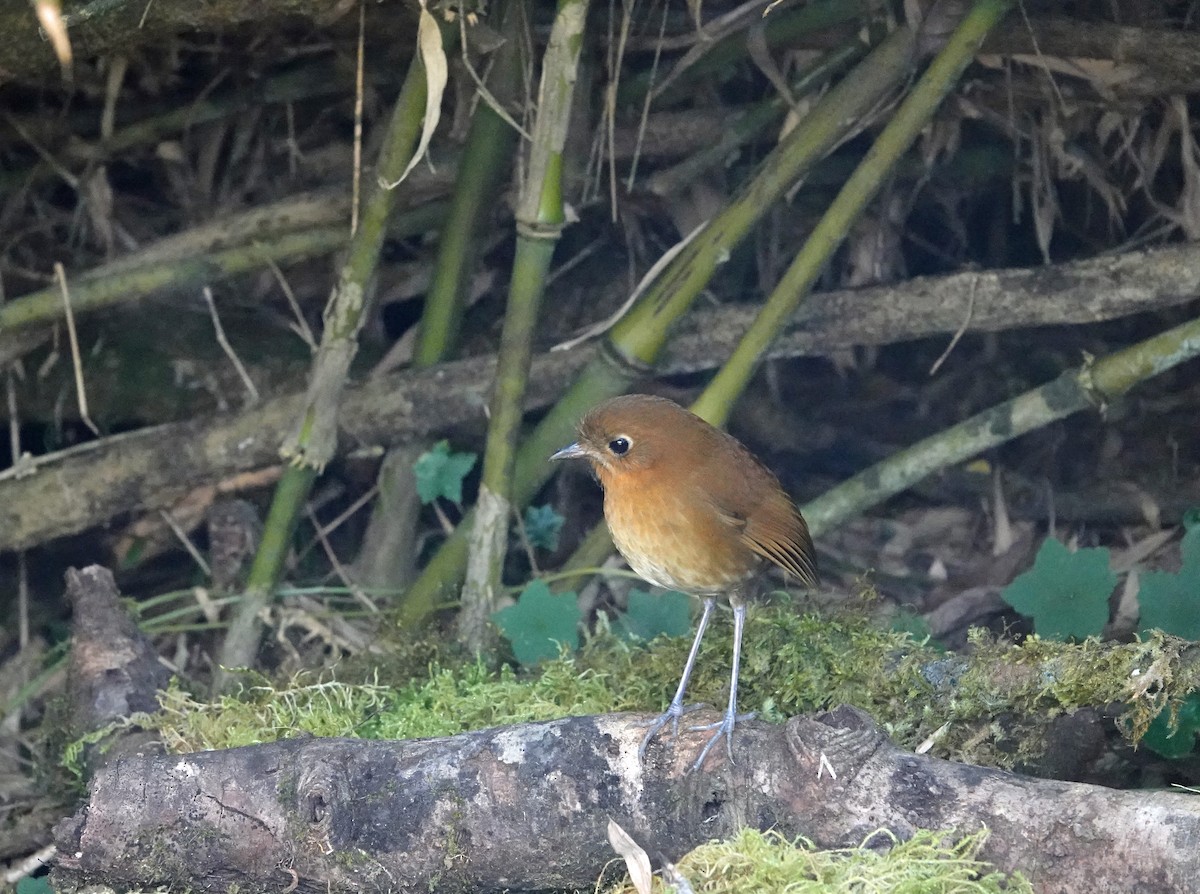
pixel 724 729
pixel 676 709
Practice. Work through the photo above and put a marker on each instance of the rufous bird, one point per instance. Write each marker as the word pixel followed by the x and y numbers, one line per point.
pixel 691 509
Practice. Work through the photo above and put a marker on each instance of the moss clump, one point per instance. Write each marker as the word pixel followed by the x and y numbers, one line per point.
pixel 1033 683
pixel 264 712
pixel 987 706
pixel 766 862
pixel 473 697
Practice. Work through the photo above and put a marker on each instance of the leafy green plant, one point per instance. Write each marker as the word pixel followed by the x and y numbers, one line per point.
pixel 31 885
pixel 908 621
pixel 1066 593
pixel 542 622
pixel 651 614
pixel 1174 737
pixel 539 622
pixel 440 473
pixel 542 526
pixel 1171 602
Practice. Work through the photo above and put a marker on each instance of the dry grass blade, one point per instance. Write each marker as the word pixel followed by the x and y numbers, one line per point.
pixel 356 186
pixel 186 542
pixel 651 274
pixel 483 92
pixel 252 395
pixel 76 360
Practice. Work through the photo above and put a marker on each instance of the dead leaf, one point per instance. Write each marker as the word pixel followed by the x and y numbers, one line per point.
pixel 636 860
pixel 437 73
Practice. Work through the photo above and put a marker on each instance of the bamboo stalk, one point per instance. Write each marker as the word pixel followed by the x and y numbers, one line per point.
pixel 313 439
pixel 912 116
pixel 482 171
pixel 1092 385
pixel 387 557
pixel 540 218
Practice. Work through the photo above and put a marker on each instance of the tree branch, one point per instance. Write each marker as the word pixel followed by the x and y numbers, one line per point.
pixel 92 484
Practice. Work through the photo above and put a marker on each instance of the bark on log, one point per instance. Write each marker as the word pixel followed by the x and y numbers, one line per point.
pixel 114 671
pixel 90 485
pixel 525 807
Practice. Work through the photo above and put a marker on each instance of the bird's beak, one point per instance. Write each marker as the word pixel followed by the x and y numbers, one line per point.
pixel 571 451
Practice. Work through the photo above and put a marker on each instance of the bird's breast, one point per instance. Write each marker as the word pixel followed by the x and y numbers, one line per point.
pixel 676 539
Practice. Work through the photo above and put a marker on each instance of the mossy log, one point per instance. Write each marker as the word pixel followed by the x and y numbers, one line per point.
pixel 526 807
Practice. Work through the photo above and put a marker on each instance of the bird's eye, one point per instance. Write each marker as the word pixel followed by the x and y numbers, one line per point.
pixel 620 445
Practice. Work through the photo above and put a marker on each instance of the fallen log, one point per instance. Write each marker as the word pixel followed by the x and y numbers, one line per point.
pixel 526 807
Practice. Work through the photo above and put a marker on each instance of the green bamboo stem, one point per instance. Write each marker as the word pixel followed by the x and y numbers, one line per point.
pixel 387 556
pixel 896 138
pixel 482 172
pixel 749 123
pixel 1092 385
pixel 635 343
pixel 315 436
pixel 641 334
pixel 313 440
pixel 540 218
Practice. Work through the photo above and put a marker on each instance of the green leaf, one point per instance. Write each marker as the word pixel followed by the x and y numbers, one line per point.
pixel 29 885
pixel 651 614
pixel 440 473
pixel 1182 741
pixel 1066 593
pixel 906 621
pixel 539 622
pixel 542 525
pixel 1171 602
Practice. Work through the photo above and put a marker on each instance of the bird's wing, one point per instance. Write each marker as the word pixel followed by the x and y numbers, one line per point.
pixel 756 506
pixel 777 532
pixel 783 538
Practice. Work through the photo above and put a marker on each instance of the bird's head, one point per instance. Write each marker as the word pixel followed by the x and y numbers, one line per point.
pixel 629 433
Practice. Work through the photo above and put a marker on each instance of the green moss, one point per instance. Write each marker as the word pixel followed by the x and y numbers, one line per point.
pixel 766 862
pixel 1031 684
pixel 988 705
pixel 453 700
pixel 264 712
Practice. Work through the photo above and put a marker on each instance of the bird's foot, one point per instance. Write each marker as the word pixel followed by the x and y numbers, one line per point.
pixel 671 716
pixel 724 730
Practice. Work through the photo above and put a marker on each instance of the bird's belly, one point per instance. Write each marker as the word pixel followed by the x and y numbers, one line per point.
pixel 672 549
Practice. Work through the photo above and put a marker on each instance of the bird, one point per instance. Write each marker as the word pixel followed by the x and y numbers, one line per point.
pixel 691 509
